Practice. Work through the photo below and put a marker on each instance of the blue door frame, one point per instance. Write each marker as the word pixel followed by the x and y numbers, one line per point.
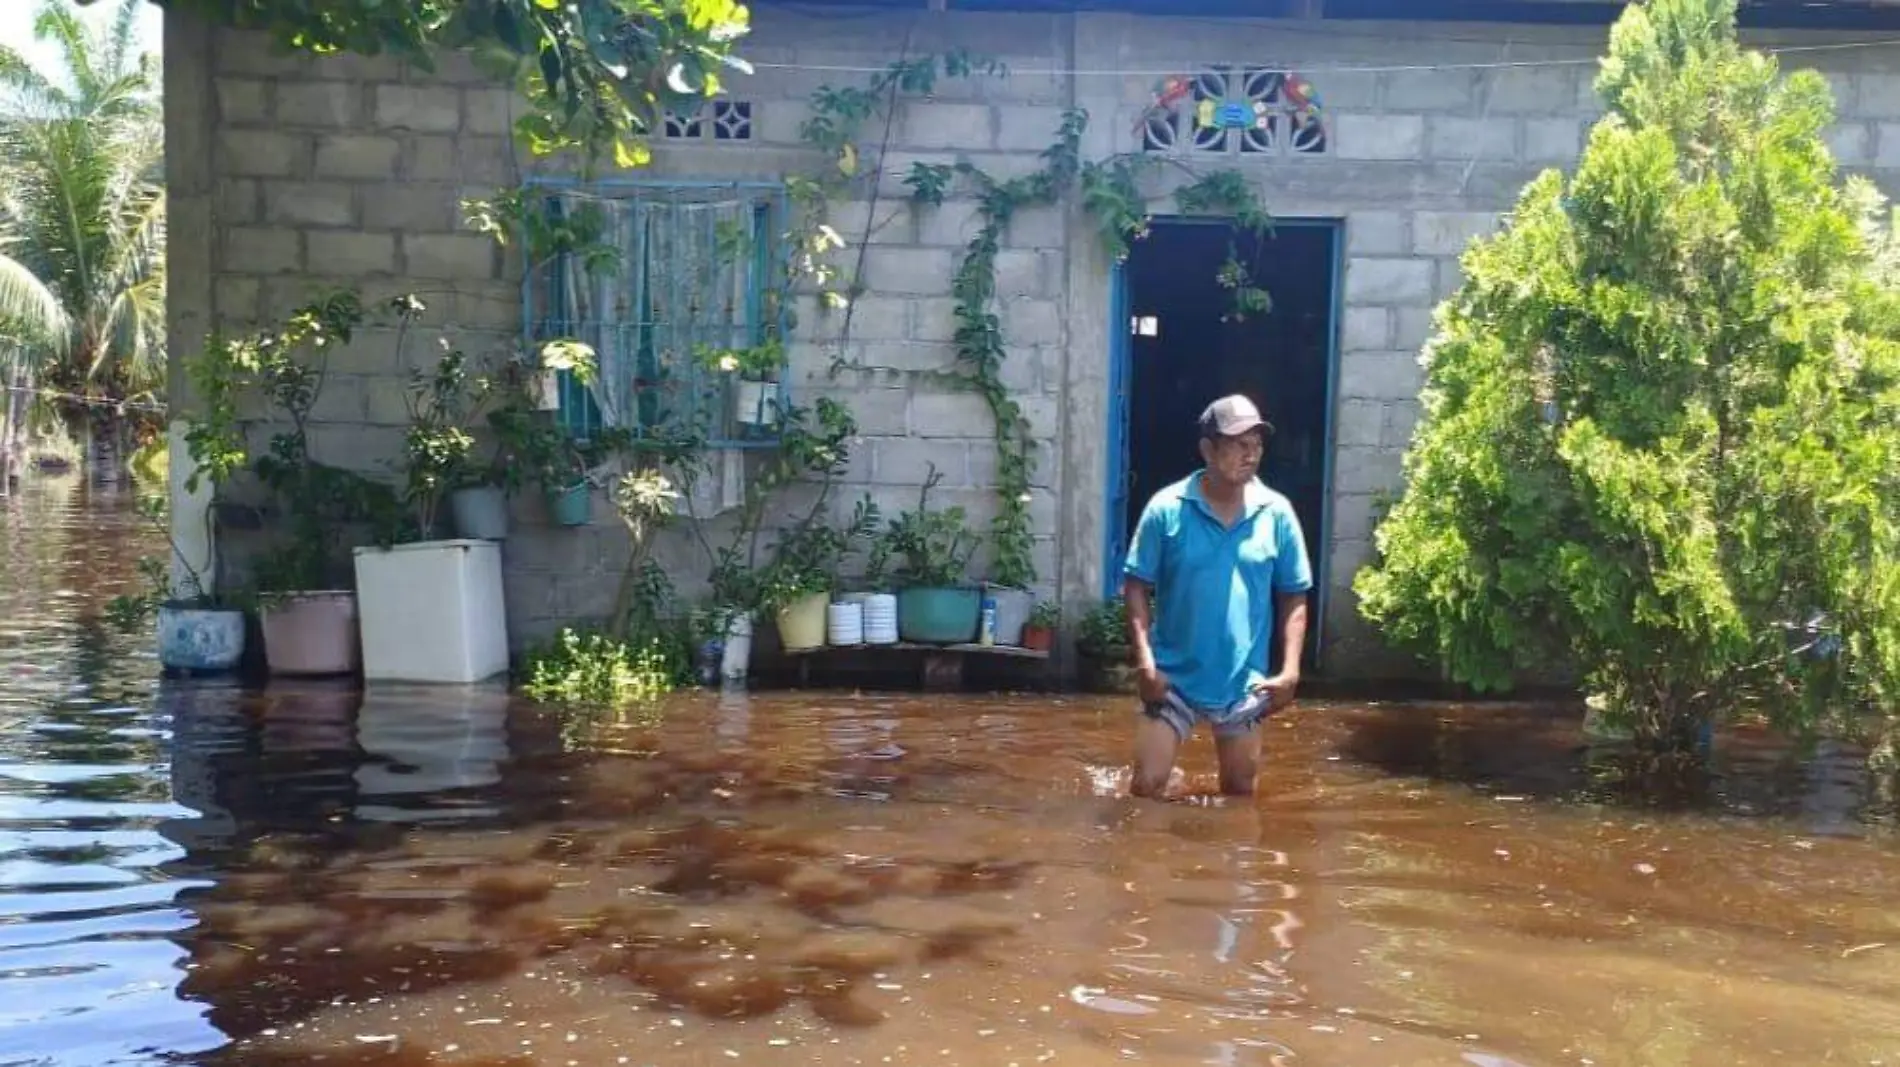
pixel 1121 373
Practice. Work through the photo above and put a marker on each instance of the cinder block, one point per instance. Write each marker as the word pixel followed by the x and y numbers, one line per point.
pixel 961 127
pixel 357 156
pixel 371 351
pixel 950 414
pixel 1039 228
pixel 1447 233
pixel 1376 233
pixel 934 318
pixel 1353 517
pixel 483 159
pixel 1379 376
pixel 877 318
pixel 1020 272
pixel 1361 422
pixel 1392 137
pixel 1366 329
pixel 243 101
pixel 333 105
pixel 907 461
pixel 431 159
pixel 344 254
pixel 914 271
pixel 1385 280
pixel 238 201
pixel 1887 145
pixel 1028 321
pixel 262 153
pixel 1553 140
pixel 1414 328
pixel 413 207
pixel 1367 470
pixel 341 399
pixel 948 225
pixel 310 203
pixel 459 255
pixel 1023 128
pixel 1491 138
pixel 1401 419
pixel 261 250
pixel 1531 90
pixel 1425 90
pixel 880 412
pixel 423 108
pixel 1877 96
pixel 491 111
pixel 235 297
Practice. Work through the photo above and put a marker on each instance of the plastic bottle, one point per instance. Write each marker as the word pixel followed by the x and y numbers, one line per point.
pixel 986 632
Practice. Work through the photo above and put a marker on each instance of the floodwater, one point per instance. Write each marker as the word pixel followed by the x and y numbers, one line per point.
pixel 195 875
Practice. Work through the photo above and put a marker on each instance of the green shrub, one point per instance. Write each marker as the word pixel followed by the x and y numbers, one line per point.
pixel 1658 437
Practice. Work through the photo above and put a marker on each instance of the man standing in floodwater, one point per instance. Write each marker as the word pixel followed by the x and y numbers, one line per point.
pixel 1215 557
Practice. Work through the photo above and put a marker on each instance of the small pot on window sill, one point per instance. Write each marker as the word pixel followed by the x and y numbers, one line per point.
pixel 755 403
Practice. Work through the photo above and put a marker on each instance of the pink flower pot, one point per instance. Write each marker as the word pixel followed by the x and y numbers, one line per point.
pixel 311 633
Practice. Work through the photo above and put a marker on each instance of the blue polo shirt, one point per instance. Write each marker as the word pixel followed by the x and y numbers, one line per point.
pixel 1214 586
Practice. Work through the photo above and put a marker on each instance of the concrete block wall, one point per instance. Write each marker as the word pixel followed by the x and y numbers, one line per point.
pixel 290 173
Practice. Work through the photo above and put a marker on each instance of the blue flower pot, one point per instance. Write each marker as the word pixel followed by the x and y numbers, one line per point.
pixel 199 639
pixel 573 506
pixel 939 616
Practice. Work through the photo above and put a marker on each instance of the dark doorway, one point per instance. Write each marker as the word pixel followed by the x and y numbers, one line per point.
pixel 1186 346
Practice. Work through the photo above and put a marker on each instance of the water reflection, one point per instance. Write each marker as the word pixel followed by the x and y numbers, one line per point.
pixel 194 873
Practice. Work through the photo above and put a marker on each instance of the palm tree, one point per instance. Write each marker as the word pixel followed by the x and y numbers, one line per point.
pixel 83 207
pixel 32 324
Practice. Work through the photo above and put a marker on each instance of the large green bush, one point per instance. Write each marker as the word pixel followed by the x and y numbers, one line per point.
pixel 1660 438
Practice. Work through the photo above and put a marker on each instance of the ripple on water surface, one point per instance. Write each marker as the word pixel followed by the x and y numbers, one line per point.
pixel 191 873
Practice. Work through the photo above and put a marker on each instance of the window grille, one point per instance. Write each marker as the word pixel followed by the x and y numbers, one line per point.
pixel 696 269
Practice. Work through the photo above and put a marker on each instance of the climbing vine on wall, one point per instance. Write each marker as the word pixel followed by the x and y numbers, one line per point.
pixel 1109 191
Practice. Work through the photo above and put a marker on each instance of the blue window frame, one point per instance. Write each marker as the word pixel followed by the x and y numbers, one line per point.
pixel 698 268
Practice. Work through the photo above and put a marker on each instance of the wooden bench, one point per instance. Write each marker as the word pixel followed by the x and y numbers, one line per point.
pixel 940 668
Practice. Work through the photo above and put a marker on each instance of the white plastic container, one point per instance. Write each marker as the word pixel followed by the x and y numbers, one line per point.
pixel 432 612
pixel 880 619
pixel 737 660
pixel 844 624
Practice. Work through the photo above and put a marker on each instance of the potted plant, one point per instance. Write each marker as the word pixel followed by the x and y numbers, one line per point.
pixel 1101 646
pixel 432 609
pixel 1040 631
pixel 753 377
pixel 932 551
pixel 199 631
pixel 306 608
pixel 813 449
pixel 799 580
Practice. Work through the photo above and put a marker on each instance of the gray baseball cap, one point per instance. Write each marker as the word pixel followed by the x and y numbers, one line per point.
pixel 1231 416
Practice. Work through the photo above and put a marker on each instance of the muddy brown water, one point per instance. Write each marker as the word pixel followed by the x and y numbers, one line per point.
pixel 192 874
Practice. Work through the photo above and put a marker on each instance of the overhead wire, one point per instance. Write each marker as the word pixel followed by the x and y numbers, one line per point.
pixel 1320 68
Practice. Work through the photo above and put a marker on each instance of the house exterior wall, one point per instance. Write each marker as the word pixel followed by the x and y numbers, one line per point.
pixel 292 173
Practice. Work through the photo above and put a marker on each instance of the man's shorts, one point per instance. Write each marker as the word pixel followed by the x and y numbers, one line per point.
pixel 1235 720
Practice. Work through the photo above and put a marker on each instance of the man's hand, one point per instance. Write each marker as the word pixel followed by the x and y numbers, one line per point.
pixel 1151 684
pixel 1280 690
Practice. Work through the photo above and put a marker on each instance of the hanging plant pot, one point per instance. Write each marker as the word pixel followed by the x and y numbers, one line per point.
pixel 547 391
pixel 573 506
pixel 755 403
